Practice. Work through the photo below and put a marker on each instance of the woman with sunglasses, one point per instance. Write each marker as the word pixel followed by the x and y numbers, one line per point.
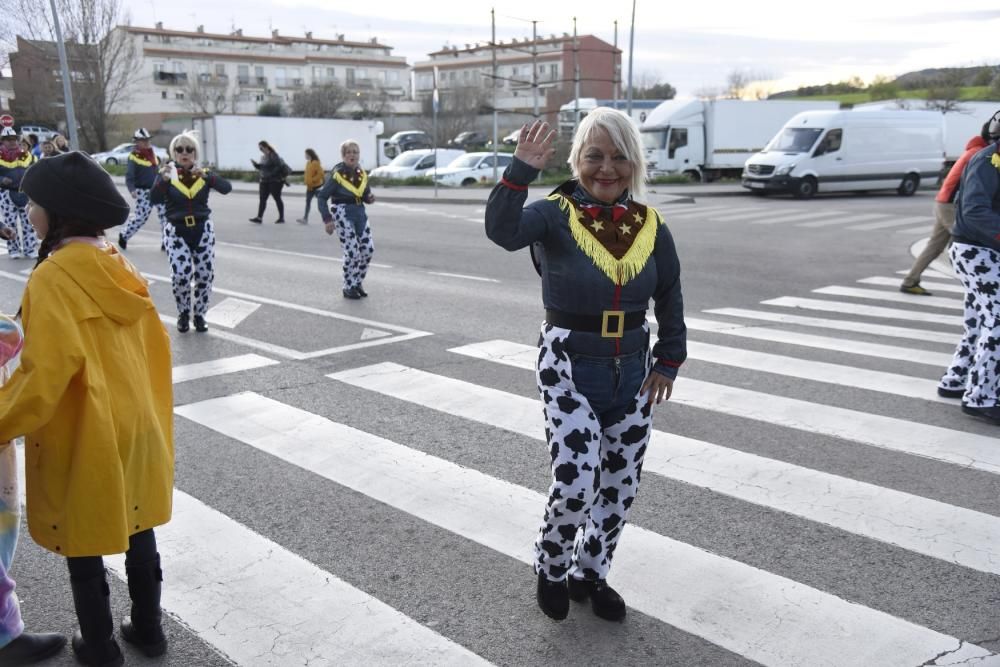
pixel 190 235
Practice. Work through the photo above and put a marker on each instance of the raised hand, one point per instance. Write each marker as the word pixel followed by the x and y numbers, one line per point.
pixel 535 144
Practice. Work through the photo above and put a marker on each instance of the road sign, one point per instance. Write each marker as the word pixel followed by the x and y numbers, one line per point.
pixel 7 120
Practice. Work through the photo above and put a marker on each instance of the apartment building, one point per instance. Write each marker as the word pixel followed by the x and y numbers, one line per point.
pixel 554 59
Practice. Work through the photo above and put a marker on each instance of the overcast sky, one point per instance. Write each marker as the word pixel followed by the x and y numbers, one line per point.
pixel 692 45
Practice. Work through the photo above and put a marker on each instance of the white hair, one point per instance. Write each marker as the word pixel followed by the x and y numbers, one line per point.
pixel 350 143
pixel 186 138
pixel 624 135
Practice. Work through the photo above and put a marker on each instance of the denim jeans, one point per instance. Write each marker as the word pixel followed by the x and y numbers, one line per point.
pixel 609 383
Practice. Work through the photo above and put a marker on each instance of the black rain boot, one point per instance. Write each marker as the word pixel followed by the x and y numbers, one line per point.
pixel 28 648
pixel 606 602
pixel 94 643
pixel 361 291
pixel 553 598
pixel 199 324
pixel 579 589
pixel 183 322
pixel 351 293
pixel 122 242
pixel 143 630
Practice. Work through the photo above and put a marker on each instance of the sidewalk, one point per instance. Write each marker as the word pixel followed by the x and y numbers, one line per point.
pixel 659 195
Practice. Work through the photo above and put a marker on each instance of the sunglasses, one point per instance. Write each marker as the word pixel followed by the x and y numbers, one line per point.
pixel 185 149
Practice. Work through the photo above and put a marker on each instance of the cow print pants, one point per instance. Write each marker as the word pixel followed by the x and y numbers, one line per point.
pixel 189 264
pixel 24 243
pixel 356 243
pixel 596 456
pixel 140 214
pixel 976 364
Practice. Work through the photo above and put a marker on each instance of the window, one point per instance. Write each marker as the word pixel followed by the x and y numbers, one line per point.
pixel 383 76
pixel 362 73
pixel 258 71
pixel 331 72
pixel 830 143
pixel 159 67
pixel 243 70
pixel 394 76
pixel 178 96
pixel 202 68
pixel 163 94
pixel 349 73
pixel 678 139
pixel 178 68
pixel 220 69
pixel 317 73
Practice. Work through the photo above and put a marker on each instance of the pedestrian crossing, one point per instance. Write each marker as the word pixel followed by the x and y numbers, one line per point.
pixel 811 217
pixel 260 603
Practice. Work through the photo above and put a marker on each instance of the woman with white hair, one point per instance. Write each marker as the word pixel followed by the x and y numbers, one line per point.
pixel 602 256
pixel 189 234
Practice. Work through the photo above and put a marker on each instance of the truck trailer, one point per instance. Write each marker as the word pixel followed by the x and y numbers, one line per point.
pixel 706 139
pixel 230 142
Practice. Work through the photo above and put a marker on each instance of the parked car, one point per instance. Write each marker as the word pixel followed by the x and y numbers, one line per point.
pixel 39 131
pixel 468 140
pixel 407 140
pixel 419 162
pixel 119 154
pixel 472 168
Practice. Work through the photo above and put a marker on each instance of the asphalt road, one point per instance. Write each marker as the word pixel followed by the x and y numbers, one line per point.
pixel 811 501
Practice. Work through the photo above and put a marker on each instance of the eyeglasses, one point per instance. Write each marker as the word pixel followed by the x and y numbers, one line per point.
pixel 185 149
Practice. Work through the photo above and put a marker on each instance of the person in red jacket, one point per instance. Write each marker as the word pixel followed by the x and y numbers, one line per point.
pixel 944 216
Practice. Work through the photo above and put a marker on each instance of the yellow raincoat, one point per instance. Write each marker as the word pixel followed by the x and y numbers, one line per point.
pixel 93 397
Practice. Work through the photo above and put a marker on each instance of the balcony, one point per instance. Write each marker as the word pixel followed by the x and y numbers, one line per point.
pixel 252 81
pixel 288 83
pixel 170 78
pixel 221 80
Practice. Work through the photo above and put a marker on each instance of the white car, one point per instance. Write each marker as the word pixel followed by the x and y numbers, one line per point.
pixel 472 168
pixel 119 154
pixel 418 162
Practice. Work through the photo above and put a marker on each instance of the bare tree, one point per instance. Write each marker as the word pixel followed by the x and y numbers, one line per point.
pixel 105 59
pixel 944 95
pixel 742 84
pixel 320 101
pixel 650 86
pixel 372 103
pixel 737 82
pixel 458 111
pixel 205 95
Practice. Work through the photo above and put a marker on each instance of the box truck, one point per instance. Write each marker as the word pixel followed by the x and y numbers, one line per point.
pixel 706 139
pixel 568 112
pixel 833 151
pixel 230 142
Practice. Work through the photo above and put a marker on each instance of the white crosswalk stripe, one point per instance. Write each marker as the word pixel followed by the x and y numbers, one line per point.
pixel 799 216
pixel 895 297
pixel 857 309
pixel 897 222
pixel 951 288
pixel 843 221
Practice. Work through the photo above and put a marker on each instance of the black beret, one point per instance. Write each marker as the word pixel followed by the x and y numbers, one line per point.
pixel 74 185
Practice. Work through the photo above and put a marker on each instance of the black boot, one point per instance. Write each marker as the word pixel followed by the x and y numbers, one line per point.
pixel 199 324
pixel 29 648
pixel 606 602
pixel 94 643
pixel 361 291
pixel 143 629
pixel 122 242
pixel 183 322
pixel 351 293
pixel 553 598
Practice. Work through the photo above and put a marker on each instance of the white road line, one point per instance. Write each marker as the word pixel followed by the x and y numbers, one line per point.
pixel 840 325
pixel 800 215
pixel 463 277
pixel 865 311
pixel 887 295
pixel 953 287
pixel 260 604
pixel 289 253
pixel 230 312
pixel 864 509
pixel 844 221
pixel 930 273
pixel 922 229
pixel 762 616
pixel 685 211
pixel 819 342
pixel 934 442
pixel 223 366
pixel 263 346
pixel 743 217
pixel 897 222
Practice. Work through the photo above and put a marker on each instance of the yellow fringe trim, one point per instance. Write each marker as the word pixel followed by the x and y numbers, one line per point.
pixel 620 271
pixel 359 191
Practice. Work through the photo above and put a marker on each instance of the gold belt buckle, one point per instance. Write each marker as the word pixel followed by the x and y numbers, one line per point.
pixel 619 330
pixel 190 220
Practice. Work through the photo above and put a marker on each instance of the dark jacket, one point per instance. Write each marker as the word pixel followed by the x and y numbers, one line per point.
pixel 14 170
pixel 140 172
pixel 272 168
pixel 189 199
pixel 977 210
pixel 351 189
pixel 573 281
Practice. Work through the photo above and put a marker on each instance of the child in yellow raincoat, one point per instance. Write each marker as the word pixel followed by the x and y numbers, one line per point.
pixel 93 398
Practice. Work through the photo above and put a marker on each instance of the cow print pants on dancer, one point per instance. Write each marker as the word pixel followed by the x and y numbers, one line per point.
pixel 597 426
pixel 24 243
pixel 976 365
pixel 140 214
pixel 192 259
pixel 356 244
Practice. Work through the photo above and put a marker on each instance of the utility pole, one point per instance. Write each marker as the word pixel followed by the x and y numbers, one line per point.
pixel 614 68
pixel 631 50
pixel 576 81
pixel 74 143
pixel 493 83
pixel 534 66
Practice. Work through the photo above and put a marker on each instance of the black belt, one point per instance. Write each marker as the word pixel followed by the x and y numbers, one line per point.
pixel 187 221
pixel 610 323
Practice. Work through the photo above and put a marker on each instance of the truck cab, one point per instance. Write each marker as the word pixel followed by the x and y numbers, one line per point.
pixel 673 138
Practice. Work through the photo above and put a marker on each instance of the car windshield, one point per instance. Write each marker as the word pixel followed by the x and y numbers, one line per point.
pixel 465 162
pixel 654 140
pixel 406 159
pixel 122 148
pixel 794 140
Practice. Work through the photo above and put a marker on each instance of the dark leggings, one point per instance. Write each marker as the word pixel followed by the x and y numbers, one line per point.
pixel 141 549
pixel 271 189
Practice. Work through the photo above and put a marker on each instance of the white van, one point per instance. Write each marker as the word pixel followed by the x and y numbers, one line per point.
pixel 834 151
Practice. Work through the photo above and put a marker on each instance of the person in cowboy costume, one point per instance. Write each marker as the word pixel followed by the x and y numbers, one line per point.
pixel 139 176
pixel 974 373
pixel 183 187
pixel 348 188
pixel 14 160
pixel 603 256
